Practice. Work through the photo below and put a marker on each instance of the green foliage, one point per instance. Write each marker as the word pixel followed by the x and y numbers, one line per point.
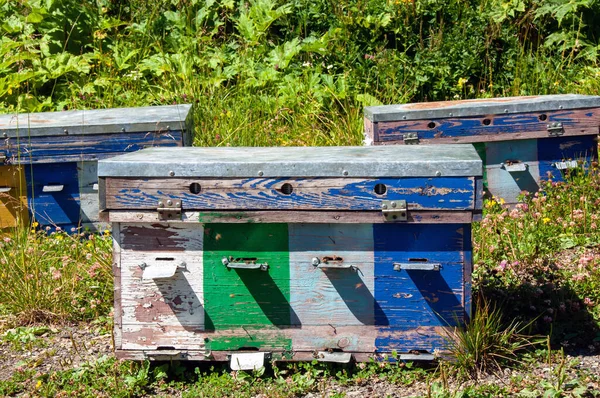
pixel 488 342
pixel 55 277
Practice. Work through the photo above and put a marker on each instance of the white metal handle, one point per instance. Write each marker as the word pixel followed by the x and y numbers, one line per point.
pixel 514 167
pixel 53 188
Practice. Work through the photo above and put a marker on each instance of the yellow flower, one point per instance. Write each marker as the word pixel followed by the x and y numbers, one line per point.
pixel 462 81
pixel 490 204
pixel 546 220
pixel 35 224
pixel 501 201
pixel 106 232
pixel 59 237
pixel 38 384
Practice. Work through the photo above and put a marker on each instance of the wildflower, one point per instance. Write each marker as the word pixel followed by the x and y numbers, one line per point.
pixel 588 301
pixel 502 266
pixel 35 224
pixel 490 203
pixel 547 319
pixel 56 274
pixel 7 239
pixel 58 229
pixel 106 232
pixel 562 307
pixel 546 220
pixel 461 82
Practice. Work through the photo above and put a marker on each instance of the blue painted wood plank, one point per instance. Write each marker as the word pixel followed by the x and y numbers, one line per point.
pixel 456 193
pixel 52 149
pixel 420 299
pixel 53 208
pixel 582 121
pixel 553 150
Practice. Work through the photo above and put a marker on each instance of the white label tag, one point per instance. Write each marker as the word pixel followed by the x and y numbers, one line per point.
pixel 569 164
pixel 247 361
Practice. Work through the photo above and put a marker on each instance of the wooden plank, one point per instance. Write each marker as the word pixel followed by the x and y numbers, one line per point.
pixel 332 296
pixel 456 193
pixel 367 341
pixel 13 198
pixel 276 216
pixel 583 149
pixel 411 299
pixel 248 298
pixel 59 208
pixel 87 174
pixel 491 127
pixel 67 148
pixel 371 134
pixel 508 185
pixel 173 305
pixel 116 269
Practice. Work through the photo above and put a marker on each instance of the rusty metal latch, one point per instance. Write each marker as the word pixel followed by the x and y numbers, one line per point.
pixel 411 138
pixel 330 263
pixel 416 266
pixel 394 210
pixel 244 263
pixel 169 209
pixel 555 129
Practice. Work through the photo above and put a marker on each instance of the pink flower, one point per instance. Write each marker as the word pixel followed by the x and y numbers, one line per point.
pixel 56 274
pixel 588 301
pixel 7 239
pixel 547 319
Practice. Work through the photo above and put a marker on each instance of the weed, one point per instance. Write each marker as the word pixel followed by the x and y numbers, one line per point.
pixel 487 343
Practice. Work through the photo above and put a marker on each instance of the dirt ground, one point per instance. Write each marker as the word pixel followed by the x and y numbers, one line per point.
pixel 68 347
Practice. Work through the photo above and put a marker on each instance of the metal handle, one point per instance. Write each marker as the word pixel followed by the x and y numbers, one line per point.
pixel 568 164
pixel 5 189
pixel 162 271
pixel 241 263
pixel 53 188
pixel 414 266
pixel 514 167
pixel 330 263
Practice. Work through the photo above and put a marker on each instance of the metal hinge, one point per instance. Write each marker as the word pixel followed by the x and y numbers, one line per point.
pixel 410 138
pixel 169 209
pixel 555 129
pixel 394 210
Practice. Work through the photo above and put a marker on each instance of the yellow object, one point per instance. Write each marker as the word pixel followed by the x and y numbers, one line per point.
pixel 13 197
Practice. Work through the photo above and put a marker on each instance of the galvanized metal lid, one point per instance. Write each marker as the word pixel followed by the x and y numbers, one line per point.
pixel 98 121
pixel 480 107
pixel 272 162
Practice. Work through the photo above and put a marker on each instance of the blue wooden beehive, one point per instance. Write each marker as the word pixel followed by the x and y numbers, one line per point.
pixel 293 253
pixel 59 152
pixel 522 140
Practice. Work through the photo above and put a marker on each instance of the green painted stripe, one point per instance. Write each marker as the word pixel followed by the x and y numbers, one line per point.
pixel 251 299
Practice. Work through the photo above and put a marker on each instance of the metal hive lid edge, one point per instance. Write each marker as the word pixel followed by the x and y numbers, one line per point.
pixel 456 160
pixel 480 107
pixel 96 121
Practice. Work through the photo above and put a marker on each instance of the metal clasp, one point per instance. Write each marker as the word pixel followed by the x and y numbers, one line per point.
pixel 244 263
pixel 330 263
pixel 415 266
pixel 555 129
pixel 169 209
pixel 564 165
pixel 394 210
pixel 514 167
pixel 410 138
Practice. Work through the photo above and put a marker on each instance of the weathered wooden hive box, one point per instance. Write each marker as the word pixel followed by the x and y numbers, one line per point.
pixel 522 140
pixel 55 155
pixel 295 253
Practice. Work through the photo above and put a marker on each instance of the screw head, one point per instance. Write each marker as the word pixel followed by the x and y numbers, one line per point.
pixel 393 204
pixel 403 117
pixel 261 173
pixel 438 173
pixel 315 261
pixel 560 107
pixel 506 111
pixel 225 260
pixel 161 204
pixel 172 173
pixel 4 135
pixel 384 206
pixel 450 114
pixel 345 172
pixel 169 202
pixel 168 127
pixel 122 129
pixel 66 131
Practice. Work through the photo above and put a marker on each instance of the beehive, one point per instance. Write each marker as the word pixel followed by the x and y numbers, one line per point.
pixel 522 140
pixel 290 253
pixel 58 154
